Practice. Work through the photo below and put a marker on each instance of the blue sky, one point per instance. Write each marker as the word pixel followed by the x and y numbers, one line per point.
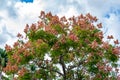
pixel 14 14
pixel 27 1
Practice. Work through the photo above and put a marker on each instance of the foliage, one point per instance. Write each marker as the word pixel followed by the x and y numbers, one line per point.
pixel 74 48
pixel 3 62
pixel 3 58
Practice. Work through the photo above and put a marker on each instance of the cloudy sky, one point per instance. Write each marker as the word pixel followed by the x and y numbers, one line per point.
pixel 14 14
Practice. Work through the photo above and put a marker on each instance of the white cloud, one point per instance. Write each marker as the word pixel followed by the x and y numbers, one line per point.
pixel 71 11
pixel 25 13
pixel 113 25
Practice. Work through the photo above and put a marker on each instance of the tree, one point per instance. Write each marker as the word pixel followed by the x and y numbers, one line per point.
pixel 74 47
pixel 3 62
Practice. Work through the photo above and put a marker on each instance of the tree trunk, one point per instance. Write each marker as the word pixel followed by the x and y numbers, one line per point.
pixel 0 75
pixel 63 67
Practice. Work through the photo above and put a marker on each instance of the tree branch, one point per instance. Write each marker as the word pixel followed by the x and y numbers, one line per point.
pixel 63 66
pixel 52 70
pixel 74 66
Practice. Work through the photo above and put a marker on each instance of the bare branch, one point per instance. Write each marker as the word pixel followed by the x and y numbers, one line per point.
pixel 74 66
pixel 52 70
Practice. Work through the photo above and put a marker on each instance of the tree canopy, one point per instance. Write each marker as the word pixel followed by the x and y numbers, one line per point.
pixel 63 48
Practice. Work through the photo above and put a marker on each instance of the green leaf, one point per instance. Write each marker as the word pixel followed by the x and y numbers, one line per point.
pixel 27 76
pixel 32 67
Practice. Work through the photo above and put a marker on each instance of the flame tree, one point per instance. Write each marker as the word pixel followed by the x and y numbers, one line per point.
pixel 63 49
